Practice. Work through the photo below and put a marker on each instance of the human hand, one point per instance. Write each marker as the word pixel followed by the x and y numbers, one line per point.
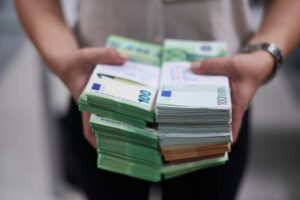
pixel 246 72
pixel 77 67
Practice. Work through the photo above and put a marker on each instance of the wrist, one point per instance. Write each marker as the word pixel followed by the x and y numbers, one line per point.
pixel 268 48
pixel 260 66
pixel 268 66
pixel 61 63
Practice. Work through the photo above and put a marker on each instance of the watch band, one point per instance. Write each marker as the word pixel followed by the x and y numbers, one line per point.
pixel 271 48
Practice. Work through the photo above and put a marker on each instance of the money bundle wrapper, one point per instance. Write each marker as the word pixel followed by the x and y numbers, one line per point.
pixel 193 112
pixel 122 100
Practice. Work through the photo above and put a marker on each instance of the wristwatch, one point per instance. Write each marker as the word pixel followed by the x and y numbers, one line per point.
pixel 271 48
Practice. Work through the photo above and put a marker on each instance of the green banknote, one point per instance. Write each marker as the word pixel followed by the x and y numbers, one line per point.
pixel 196 103
pixel 131 149
pixel 128 99
pixel 196 108
pixel 125 93
pixel 122 131
pixel 186 50
pixel 128 150
pixel 185 97
pixel 129 167
pixel 174 170
pixel 140 52
pixel 134 168
pixel 189 109
pixel 84 106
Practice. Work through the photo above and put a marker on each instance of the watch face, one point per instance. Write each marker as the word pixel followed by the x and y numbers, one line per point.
pixel 274 50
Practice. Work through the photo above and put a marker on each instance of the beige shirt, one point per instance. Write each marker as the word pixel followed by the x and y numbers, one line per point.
pixel 154 20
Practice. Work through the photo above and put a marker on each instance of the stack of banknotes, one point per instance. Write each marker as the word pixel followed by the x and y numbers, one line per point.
pixel 122 101
pixel 125 93
pixel 193 112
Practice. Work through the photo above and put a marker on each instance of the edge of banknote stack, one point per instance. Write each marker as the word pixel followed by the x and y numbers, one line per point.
pixel 144 129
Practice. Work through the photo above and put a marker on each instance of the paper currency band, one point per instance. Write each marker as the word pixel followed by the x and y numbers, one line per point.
pixel 272 49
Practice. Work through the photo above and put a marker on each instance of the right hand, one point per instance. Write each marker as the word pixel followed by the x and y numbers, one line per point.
pixel 76 70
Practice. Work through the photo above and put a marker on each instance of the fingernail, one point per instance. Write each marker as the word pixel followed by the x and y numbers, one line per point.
pixel 196 65
pixel 124 56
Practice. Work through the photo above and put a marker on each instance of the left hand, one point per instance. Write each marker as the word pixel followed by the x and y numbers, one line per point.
pixel 246 72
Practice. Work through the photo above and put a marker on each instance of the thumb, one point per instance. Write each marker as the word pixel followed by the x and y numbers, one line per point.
pixel 215 66
pixel 103 56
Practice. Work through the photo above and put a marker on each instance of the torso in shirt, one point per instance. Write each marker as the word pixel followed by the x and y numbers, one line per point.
pixel 155 20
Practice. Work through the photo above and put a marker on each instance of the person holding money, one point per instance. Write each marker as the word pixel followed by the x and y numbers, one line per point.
pixel 73 55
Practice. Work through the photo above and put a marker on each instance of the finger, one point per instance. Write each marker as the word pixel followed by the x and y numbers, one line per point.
pixel 104 56
pixel 87 131
pixel 215 66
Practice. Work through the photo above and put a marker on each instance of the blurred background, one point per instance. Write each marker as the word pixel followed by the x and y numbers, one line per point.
pixel 33 103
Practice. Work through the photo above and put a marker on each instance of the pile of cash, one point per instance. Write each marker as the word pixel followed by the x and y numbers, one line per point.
pixel 127 149
pixel 121 100
pixel 193 112
pixel 123 104
pixel 125 93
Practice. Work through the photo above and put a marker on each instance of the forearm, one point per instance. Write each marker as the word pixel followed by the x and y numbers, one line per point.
pixel 280 25
pixel 44 23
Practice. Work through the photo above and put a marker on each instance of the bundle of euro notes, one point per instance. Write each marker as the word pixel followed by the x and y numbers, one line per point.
pixel 123 101
pixel 126 93
pixel 193 112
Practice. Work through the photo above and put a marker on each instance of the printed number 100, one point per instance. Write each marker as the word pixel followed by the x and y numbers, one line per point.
pixel 221 96
pixel 144 96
